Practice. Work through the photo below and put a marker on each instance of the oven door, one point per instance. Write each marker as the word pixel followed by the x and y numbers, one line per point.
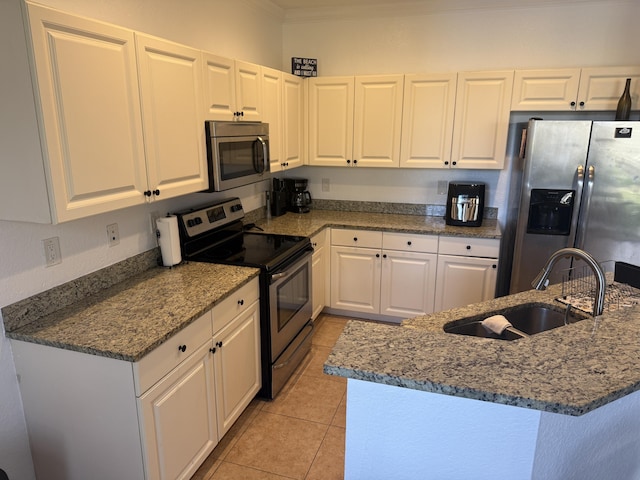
pixel 237 161
pixel 289 303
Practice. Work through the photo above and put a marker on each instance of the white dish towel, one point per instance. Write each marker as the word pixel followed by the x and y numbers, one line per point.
pixel 496 324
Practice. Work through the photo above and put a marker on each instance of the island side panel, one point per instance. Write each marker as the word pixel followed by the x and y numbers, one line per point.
pixel 400 433
pixel 604 443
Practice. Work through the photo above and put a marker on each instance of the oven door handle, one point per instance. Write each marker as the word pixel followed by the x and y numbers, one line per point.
pixel 278 276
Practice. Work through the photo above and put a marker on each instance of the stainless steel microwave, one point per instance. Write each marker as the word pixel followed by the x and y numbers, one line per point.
pixel 237 154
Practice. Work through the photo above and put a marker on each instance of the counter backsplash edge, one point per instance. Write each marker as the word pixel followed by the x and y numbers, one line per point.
pixel 30 309
pixel 428 210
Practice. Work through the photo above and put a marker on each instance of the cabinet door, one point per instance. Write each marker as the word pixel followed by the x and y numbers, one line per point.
pixel 545 90
pixel 293 120
pixel 93 145
pixel 330 120
pixel 481 122
pixel 179 418
pixel 377 120
pixel 171 91
pixel 237 366
pixel 461 281
pixel 408 283
pixel 427 120
pixel 249 91
pixel 319 271
pixel 272 114
pixel 601 88
pixel 355 279
pixel 219 87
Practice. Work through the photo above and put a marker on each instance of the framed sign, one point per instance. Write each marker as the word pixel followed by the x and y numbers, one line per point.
pixel 304 67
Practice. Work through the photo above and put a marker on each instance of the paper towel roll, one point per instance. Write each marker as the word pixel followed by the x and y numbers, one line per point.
pixel 169 240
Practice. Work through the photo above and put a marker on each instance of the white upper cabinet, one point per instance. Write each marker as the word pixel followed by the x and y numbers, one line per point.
pixel 91 127
pixel 171 92
pixel 233 89
pixel 377 120
pixel 119 117
pixel 330 112
pixel 355 121
pixel 272 114
pixel 601 88
pixel 481 121
pixel 293 120
pixel 573 89
pixel 427 120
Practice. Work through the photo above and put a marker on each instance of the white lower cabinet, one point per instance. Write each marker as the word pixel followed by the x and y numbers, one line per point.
pixel 237 364
pixel 179 418
pixel 467 271
pixel 90 416
pixel 383 274
pixel 320 272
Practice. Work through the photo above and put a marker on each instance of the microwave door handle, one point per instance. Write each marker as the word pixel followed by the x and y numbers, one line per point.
pixel 265 156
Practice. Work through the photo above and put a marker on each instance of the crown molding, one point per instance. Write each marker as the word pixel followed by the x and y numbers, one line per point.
pixel 389 8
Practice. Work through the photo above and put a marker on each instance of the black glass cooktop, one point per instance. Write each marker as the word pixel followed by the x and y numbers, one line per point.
pixel 251 249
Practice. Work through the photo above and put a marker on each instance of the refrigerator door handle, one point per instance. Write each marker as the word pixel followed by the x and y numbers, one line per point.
pixel 580 173
pixel 584 211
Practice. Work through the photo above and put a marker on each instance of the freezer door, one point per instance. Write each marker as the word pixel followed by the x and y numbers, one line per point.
pixel 555 158
pixel 609 219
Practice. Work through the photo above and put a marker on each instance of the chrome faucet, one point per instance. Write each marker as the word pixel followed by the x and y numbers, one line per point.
pixel 542 280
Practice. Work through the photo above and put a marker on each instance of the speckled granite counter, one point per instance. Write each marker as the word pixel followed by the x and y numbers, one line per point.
pixel 308 224
pixel 569 370
pixel 131 318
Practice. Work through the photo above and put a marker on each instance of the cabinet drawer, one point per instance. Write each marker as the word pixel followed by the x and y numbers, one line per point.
pixel 410 242
pixel 234 304
pixel 319 239
pixel 469 247
pixel 356 238
pixel 157 363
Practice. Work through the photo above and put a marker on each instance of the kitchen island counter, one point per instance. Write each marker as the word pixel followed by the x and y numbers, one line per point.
pixel 561 404
pixel 570 370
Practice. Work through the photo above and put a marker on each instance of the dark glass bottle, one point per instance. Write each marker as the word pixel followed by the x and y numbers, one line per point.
pixel 624 104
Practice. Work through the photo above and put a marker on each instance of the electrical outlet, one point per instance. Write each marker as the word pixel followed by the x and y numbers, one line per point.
pixel 153 216
pixel 443 187
pixel 113 234
pixel 52 251
pixel 326 185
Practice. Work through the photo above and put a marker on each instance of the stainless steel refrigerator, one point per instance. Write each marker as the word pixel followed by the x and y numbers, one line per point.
pixel 580 187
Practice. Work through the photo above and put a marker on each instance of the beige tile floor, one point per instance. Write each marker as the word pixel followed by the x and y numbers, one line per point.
pixel 299 435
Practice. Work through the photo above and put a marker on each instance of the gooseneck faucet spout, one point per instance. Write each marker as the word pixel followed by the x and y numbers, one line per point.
pixel 542 280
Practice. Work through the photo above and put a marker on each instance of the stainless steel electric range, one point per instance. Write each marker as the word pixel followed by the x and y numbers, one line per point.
pixel 215 233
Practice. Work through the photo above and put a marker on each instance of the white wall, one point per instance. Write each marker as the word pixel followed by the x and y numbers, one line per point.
pixel 595 33
pixel 226 27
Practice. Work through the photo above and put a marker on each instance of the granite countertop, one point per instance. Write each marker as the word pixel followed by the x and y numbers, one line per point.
pixel 569 370
pixel 308 224
pixel 131 318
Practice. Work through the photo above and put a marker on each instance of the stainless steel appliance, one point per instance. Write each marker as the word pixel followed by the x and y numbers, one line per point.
pixel 215 233
pixel 237 154
pixel 298 195
pixel 465 204
pixel 580 188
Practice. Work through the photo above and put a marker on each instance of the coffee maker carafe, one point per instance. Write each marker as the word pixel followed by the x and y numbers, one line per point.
pixel 299 197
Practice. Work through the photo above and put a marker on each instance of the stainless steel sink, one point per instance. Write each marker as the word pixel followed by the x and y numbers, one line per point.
pixel 530 318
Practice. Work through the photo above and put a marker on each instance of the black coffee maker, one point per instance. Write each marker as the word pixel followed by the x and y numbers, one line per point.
pixel 298 196
pixel 465 204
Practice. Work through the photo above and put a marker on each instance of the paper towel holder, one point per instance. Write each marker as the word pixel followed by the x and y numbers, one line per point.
pixel 168 240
